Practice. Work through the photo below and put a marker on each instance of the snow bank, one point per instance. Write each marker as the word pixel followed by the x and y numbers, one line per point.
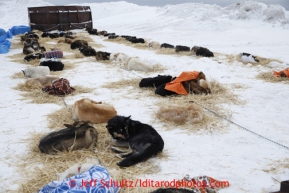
pixel 255 10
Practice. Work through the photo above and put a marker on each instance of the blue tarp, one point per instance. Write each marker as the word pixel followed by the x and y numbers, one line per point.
pixel 3 35
pixel 95 180
pixel 21 29
pixel 15 30
pixel 5 46
pixel 4 43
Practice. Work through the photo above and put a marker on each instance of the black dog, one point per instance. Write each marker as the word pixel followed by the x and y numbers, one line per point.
pixel 87 50
pixel 143 140
pixel 156 81
pixel 33 57
pixel 180 48
pixel 52 65
pixel 102 55
pixel 201 51
pixel 165 45
pixel 78 43
pixel 160 90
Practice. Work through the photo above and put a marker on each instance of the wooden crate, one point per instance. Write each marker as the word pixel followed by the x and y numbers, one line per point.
pixel 60 18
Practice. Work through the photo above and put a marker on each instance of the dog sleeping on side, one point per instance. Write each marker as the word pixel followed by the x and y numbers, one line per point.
pixel 142 140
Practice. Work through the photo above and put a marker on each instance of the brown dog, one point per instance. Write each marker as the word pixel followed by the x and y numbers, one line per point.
pixel 94 112
pixel 73 137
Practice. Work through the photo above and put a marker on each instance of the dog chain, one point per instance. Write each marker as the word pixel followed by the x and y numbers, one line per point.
pixel 67 106
pixel 244 128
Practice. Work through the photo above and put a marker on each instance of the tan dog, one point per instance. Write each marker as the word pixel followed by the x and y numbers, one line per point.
pixel 94 112
pixel 206 85
pixel 181 114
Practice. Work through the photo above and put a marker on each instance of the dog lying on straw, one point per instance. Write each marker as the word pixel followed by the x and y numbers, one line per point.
pixel 76 169
pixel 181 114
pixel 142 140
pixel 40 81
pixel 95 112
pixel 282 73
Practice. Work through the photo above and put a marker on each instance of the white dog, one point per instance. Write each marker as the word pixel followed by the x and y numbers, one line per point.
pixel 120 58
pixel 248 58
pixel 76 169
pixel 139 65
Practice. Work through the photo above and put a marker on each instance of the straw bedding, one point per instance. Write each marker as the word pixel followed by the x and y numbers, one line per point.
pixel 18 75
pixel 165 51
pixel 121 40
pixel 42 168
pixel 268 77
pixel 263 61
pixel 35 94
pixel 229 58
pixel 220 95
pixel 277 166
pixel 49 44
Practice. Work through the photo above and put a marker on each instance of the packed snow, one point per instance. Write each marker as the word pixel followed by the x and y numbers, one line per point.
pixel 236 155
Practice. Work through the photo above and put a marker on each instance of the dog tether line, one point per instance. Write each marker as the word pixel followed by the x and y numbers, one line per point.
pixel 244 128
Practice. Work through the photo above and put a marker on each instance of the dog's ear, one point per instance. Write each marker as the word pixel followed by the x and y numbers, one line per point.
pixel 126 120
pixel 23 72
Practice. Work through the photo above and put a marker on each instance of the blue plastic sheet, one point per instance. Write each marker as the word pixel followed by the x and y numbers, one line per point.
pixel 22 29
pixel 9 34
pixel 5 46
pixel 15 30
pixel 3 35
pixel 95 180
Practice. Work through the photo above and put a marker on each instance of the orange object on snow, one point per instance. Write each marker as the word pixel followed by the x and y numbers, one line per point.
pixel 278 74
pixel 177 86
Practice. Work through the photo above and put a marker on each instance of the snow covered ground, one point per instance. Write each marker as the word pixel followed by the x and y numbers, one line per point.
pixel 236 155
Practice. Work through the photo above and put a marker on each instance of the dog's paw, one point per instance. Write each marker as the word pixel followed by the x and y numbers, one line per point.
pixel 124 163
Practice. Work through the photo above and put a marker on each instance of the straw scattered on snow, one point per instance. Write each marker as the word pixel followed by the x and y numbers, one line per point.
pixel 40 169
pixel 36 95
pixel 220 95
pixel 268 77
pixel 18 75
pixel 263 61
pixel 43 168
pixel 49 44
pixel 277 166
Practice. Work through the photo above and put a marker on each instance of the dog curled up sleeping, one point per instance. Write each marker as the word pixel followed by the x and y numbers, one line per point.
pixel 91 111
pixel 142 140
pixel 76 169
pixel 186 83
pixel 282 73
pixel 73 137
pixel 248 58
pixel 181 114
pixel 40 81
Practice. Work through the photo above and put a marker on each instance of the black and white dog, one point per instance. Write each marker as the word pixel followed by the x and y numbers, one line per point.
pixel 248 58
pixel 142 140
